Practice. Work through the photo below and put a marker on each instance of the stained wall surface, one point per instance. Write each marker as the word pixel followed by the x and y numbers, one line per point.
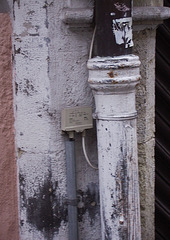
pixel 50 74
pixel 8 181
pixel 145 101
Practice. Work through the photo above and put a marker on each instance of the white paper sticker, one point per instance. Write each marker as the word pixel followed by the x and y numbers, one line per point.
pixel 122 29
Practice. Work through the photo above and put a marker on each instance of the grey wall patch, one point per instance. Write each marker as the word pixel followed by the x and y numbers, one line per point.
pixel 122 29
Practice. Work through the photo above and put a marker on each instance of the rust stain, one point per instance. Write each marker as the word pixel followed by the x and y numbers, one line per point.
pixel 112 74
pixel 114 82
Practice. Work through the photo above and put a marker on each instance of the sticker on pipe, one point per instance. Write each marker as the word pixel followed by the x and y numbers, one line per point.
pixel 122 30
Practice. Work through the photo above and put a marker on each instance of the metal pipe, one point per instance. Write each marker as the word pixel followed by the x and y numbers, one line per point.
pixel 71 189
pixel 113 75
pixel 113 21
pixel 113 82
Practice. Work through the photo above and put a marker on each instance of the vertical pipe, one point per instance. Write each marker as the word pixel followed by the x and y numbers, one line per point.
pixel 113 21
pixel 113 75
pixel 71 189
pixel 113 82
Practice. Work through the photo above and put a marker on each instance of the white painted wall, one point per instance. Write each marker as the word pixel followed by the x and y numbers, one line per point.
pixel 50 74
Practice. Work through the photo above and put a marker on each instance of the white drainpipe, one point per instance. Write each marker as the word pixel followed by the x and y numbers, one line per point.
pixel 113 81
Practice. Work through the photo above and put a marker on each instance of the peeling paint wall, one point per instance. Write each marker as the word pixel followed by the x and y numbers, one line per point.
pixel 8 176
pixel 50 74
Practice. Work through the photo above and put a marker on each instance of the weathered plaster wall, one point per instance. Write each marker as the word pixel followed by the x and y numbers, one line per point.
pixel 50 74
pixel 141 3
pixel 8 180
pixel 145 48
pixel 144 41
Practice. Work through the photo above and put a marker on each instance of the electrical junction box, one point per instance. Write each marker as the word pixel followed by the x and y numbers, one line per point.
pixel 76 119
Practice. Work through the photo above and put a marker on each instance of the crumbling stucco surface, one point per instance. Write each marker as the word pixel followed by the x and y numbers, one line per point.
pixel 50 74
pixel 145 48
pixel 8 180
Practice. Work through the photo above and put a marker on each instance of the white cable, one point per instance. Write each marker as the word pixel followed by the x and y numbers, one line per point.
pixel 92 42
pixel 85 154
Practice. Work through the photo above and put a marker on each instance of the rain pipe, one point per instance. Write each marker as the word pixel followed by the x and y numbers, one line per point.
pixel 71 189
pixel 113 75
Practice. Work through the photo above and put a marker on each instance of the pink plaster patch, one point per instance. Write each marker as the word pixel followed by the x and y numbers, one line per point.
pixel 8 180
